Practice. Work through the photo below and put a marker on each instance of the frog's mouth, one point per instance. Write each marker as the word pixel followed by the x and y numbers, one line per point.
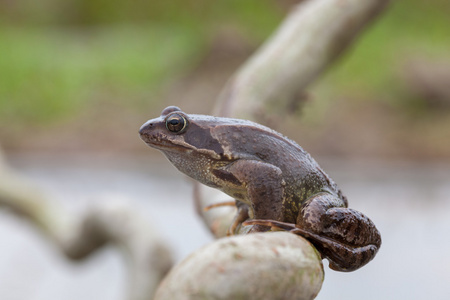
pixel 162 142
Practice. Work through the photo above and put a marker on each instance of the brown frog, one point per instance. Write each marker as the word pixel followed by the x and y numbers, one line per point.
pixel 276 184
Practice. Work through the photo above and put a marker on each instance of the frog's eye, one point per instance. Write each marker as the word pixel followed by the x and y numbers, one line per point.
pixel 176 123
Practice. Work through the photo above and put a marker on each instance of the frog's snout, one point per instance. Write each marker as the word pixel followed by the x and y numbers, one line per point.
pixel 148 127
pixel 151 132
pixel 145 132
pixel 145 127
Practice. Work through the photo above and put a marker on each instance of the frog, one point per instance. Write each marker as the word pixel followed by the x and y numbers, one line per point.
pixel 275 183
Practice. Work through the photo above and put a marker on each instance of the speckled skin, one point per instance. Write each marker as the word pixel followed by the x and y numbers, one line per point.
pixel 274 181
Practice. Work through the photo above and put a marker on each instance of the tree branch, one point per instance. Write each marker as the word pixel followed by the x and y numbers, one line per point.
pixel 312 36
pixel 262 266
pixel 110 221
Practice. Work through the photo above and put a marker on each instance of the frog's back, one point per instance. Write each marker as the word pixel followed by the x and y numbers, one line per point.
pixel 241 139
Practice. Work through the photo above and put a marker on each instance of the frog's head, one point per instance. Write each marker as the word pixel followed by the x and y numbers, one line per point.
pixel 175 132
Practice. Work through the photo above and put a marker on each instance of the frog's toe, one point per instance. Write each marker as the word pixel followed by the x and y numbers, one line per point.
pixel 277 225
pixel 219 204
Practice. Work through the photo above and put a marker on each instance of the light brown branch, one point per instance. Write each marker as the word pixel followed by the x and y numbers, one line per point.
pixel 276 265
pixel 307 42
pixel 110 221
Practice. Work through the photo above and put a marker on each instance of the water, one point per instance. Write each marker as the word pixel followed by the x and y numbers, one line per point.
pixel 409 203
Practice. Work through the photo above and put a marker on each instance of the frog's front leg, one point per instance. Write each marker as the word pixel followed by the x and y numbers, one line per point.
pixel 263 189
pixel 346 237
pixel 241 216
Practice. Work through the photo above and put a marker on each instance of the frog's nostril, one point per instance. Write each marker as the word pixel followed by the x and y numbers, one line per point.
pixel 148 127
pixel 145 127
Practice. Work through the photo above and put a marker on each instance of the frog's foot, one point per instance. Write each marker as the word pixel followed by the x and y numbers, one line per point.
pixel 219 204
pixel 260 225
pixel 277 225
pixel 336 251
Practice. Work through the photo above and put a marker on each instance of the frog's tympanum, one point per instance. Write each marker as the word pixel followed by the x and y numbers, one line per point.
pixel 276 184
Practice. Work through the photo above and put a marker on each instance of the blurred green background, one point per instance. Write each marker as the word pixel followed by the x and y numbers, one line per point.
pixel 84 75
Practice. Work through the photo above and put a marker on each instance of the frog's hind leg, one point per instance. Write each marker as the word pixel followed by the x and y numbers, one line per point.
pixel 346 237
pixel 335 251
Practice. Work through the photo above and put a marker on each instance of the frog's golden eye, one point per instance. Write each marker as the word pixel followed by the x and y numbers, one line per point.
pixel 176 123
